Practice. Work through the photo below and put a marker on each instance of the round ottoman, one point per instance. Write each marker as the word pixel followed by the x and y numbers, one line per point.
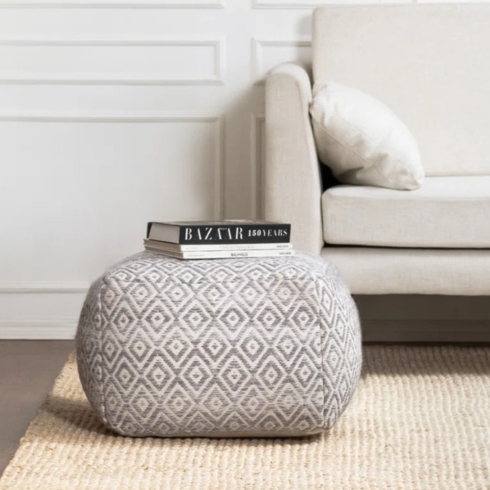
pixel 219 348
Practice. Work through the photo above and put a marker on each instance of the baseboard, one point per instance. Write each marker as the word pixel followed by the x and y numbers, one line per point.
pixel 426 330
pixel 42 329
pixel 40 287
pixel 372 330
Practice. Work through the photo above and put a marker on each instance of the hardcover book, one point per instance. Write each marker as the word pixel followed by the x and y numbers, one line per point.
pixel 175 247
pixel 220 254
pixel 219 232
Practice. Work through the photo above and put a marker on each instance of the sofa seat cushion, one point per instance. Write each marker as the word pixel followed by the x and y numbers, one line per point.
pixel 446 212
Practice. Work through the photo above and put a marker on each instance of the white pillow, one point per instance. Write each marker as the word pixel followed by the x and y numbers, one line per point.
pixel 362 141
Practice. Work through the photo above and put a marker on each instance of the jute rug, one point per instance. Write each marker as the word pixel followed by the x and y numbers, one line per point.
pixel 420 420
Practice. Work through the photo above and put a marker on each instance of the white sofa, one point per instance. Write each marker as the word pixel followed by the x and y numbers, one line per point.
pixel 431 65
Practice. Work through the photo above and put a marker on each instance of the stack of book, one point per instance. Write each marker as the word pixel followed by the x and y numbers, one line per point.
pixel 219 239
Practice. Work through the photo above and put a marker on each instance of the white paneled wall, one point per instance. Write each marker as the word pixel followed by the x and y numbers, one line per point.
pixel 116 112
pixel 114 61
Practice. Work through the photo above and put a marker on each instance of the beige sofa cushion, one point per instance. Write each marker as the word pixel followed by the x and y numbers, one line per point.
pixel 362 140
pixel 428 63
pixel 376 270
pixel 446 212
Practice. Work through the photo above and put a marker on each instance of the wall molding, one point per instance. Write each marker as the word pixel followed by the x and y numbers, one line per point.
pixel 219 169
pixel 152 117
pixel 38 329
pixel 258 46
pixel 44 287
pixel 118 4
pixel 257 121
pixel 65 328
pixel 284 5
pixel 219 62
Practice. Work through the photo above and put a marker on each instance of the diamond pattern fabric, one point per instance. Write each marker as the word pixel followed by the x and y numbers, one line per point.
pixel 221 348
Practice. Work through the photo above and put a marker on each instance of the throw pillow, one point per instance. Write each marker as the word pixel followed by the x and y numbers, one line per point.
pixel 362 140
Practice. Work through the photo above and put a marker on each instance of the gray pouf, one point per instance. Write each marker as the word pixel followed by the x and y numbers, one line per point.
pixel 235 347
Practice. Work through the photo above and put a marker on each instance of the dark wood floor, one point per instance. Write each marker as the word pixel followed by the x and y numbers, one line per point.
pixel 28 369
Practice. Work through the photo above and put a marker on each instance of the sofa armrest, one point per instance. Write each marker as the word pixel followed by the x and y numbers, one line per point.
pixel 293 185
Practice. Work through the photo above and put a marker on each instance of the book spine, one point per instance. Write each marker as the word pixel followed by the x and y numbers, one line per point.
pixel 237 254
pixel 234 234
pixel 226 248
pixel 225 255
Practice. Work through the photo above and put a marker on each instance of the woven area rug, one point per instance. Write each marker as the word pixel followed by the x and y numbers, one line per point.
pixel 420 420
